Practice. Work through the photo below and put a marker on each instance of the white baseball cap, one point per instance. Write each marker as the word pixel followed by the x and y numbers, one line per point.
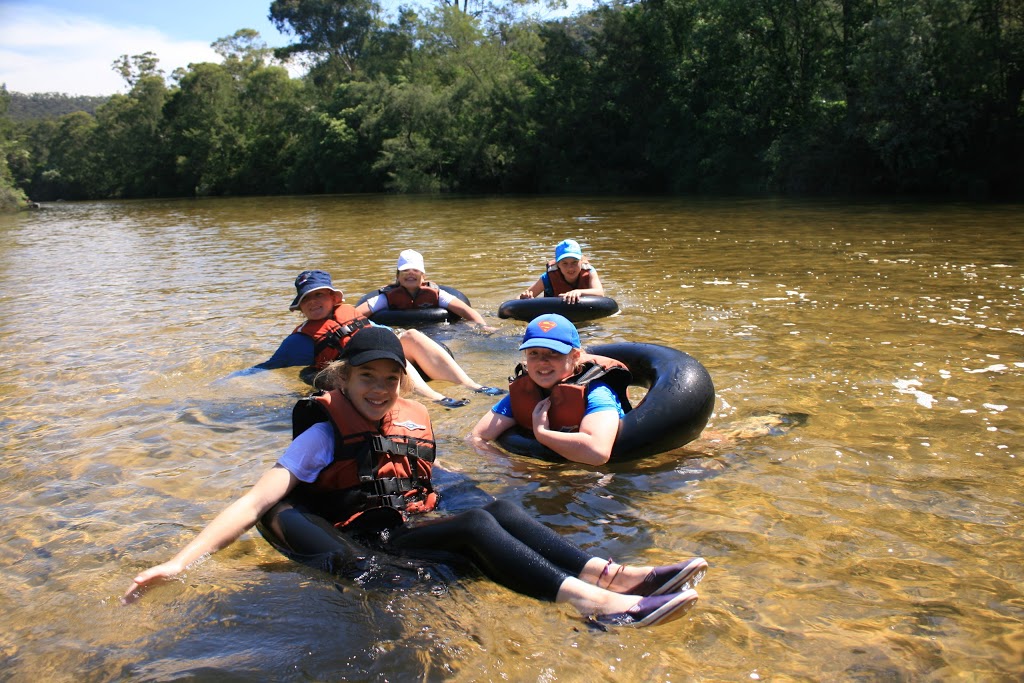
pixel 411 260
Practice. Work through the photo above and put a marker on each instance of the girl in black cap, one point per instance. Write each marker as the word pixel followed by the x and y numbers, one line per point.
pixel 367 427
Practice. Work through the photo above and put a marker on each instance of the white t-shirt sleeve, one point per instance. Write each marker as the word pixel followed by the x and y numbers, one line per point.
pixel 377 302
pixel 444 298
pixel 310 452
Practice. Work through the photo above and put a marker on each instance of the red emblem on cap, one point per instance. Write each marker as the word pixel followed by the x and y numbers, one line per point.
pixel 547 325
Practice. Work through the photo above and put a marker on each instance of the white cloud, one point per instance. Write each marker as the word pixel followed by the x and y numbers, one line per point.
pixel 45 51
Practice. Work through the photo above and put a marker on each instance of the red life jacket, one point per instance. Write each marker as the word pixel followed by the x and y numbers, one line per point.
pixel 568 397
pixel 555 283
pixel 379 470
pixel 330 335
pixel 399 299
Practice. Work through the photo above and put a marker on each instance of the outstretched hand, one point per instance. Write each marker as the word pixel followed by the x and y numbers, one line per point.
pixel 154 576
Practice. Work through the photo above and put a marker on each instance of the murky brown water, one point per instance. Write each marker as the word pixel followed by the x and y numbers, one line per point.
pixel 878 541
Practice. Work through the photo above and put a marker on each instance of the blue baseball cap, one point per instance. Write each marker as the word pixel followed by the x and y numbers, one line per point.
pixel 551 331
pixel 310 281
pixel 568 249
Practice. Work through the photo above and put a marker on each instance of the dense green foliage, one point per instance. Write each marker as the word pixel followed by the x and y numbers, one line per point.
pixel 50 105
pixel 12 197
pixel 661 96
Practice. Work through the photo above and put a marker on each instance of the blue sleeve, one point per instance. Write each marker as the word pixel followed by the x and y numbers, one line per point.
pixel 548 289
pixel 600 397
pixel 295 350
pixel 503 407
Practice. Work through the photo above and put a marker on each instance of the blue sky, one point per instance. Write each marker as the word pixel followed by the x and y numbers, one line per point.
pixel 69 46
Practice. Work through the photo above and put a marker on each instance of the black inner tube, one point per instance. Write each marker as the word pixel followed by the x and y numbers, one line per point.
pixel 587 308
pixel 416 316
pixel 678 404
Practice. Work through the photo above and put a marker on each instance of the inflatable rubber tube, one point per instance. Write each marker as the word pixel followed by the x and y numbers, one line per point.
pixel 678 404
pixel 305 537
pixel 416 316
pixel 587 308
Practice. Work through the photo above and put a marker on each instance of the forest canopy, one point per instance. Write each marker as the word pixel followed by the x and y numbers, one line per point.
pixel 912 97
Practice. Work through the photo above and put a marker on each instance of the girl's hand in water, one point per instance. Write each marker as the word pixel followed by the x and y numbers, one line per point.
pixel 154 576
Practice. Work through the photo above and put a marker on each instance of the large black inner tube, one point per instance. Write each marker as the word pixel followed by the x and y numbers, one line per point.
pixel 587 308
pixel 305 537
pixel 300 534
pixel 678 404
pixel 416 316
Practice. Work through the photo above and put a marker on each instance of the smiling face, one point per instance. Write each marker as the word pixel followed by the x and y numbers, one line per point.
pixel 410 278
pixel 547 368
pixel 319 304
pixel 372 387
pixel 570 268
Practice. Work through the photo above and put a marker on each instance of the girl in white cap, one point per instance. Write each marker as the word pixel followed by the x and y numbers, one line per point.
pixel 412 290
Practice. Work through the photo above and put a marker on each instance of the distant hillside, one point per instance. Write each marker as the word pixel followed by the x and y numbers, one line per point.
pixel 50 105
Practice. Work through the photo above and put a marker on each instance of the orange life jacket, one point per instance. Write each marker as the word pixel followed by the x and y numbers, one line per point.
pixel 568 397
pixel 380 471
pixel 399 299
pixel 555 283
pixel 330 335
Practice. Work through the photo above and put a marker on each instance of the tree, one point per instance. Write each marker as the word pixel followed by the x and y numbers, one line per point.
pixel 329 32
pixel 202 118
pixel 243 52
pixel 131 140
pixel 133 69
pixel 11 197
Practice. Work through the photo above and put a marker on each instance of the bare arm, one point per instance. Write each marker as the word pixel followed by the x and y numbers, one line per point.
pixel 461 308
pixel 227 526
pixel 488 429
pixel 535 290
pixel 596 288
pixel 591 445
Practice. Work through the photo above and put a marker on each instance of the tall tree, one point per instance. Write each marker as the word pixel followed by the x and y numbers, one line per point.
pixel 135 68
pixel 243 52
pixel 202 117
pixel 330 33
pixel 11 197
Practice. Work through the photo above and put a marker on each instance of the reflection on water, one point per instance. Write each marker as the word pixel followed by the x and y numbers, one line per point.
pixel 858 497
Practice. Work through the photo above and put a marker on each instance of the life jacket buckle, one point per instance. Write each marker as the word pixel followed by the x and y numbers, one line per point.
pixel 381 445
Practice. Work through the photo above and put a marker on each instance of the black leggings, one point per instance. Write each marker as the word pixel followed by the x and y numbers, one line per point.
pixel 505 542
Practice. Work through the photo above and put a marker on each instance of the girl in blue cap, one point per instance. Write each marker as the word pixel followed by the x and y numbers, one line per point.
pixel 569 276
pixel 364 423
pixel 571 401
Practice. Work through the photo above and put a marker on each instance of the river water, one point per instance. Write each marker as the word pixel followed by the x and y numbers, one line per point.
pixel 862 515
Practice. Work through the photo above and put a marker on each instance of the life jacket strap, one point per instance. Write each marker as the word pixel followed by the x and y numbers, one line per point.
pixel 336 337
pixel 392 492
pixel 409 449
